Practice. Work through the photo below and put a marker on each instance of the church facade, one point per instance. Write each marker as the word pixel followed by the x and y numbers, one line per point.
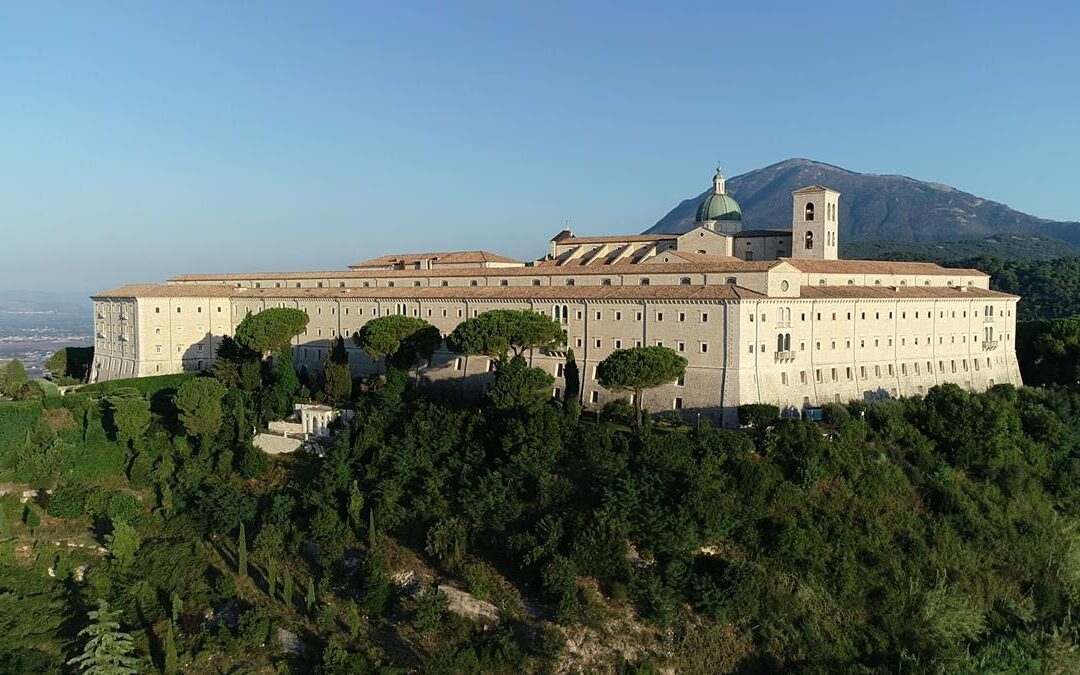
pixel 762 316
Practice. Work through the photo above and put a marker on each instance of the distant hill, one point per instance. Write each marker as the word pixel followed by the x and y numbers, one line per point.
pixel 1011 247
pixel 872 207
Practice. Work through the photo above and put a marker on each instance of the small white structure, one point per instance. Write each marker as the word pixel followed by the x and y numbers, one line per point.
pixel 315 420
pixel 308 422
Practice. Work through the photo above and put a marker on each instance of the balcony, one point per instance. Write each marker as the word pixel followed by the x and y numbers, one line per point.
pixel 784 355
pixel 989 345
pixel 988 318
pixel 783 324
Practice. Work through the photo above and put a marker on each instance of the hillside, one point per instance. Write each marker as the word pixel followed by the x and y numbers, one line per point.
pixel 1011 247
pixel 873 207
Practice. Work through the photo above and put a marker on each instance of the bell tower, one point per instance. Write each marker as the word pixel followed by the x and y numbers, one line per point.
pixel 815 226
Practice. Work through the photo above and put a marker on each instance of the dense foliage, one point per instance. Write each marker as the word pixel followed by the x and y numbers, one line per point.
pixel 935 534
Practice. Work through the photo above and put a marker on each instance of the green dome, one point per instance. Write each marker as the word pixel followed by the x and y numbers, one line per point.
pixel 719 207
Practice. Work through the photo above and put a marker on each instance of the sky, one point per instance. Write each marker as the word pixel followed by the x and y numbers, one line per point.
pixel 141 140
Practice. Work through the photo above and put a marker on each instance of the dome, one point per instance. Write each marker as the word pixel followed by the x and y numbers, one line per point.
pixel 719 207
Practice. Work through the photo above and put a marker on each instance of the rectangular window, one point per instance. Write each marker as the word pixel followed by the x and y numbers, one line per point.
pixel 594 396
pixel 618 344
pixel 677 405
pixel 704 347
pixel 682 316
pixel 802 377
pixel 618 316
pixel 598 343
pixel 704 317
pixel 783 379
pixel 659 316
pixel 682 346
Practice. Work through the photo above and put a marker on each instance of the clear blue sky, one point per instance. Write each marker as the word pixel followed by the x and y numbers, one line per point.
pixel 144 139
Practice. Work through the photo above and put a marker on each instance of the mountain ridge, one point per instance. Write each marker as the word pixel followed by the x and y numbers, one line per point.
pixel 873 206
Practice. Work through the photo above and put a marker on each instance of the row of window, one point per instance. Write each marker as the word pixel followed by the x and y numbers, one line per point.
pixel 783 341
pixel 784 314
pixel 834 374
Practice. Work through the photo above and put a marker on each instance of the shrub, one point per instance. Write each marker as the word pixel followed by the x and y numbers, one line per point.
pixel 68 501
pixel 116 506
pixel 758 415
pixel 252 462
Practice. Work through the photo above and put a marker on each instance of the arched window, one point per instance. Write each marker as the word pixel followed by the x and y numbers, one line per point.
pixel 685 281
pixel 780 342
pixel 536 282
pixel 787 342
pixel 644 281
pixel 809 214
pixel 605 282
pixel 731 280
pixel 445 283
pixel 565 312
pixel 808 240
pixel 504 282
pixel 569 282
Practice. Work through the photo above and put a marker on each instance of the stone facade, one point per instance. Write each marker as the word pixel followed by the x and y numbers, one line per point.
pixel 795 330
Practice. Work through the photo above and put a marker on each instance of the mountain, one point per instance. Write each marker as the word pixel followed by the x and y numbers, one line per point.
pixel 872 206
pixel 1013 246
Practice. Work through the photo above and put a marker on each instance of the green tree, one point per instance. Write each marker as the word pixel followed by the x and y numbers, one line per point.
pixel 177 607
pixel 172 661
pixel 198 402
pixel 401 339
pixel 519 386
pixel 131 417
pixel 108 650
pixel 337 375
pixel 271 578
pixel 12 377
pixel 123 542
pixel 271 331
pixel 355 508
pixel 309 598
pixel 31 518
pixel 497 332
pixel 287 591
pixel 572 375
pixel 639 368
pixel 242 553
pixel 237 366
pixel 5 525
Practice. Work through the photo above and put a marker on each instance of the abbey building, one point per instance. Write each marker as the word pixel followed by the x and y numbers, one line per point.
pixel 770 315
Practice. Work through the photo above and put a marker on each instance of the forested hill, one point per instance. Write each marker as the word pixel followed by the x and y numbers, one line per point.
pixel 872 206
pixel 1048 289
pixel 517 535
pixel 1010 246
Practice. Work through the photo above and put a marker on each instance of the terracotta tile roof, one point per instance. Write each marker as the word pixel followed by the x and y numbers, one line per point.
pixel 878 267
pixel 904 292
pixel 540 270
pixel 169 291
pixel 717 292
pixel 614 239
pixel 705 259
pixel 439 257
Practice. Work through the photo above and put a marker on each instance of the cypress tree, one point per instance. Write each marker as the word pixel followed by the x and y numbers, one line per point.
pixel 572 376
pixel 271 581
pixel 108 650
pixel 372 535
pixel 287 591
pixel 177 607
pixel 241 553
pixel 310 599
pixel 5 526
pixel 172 665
